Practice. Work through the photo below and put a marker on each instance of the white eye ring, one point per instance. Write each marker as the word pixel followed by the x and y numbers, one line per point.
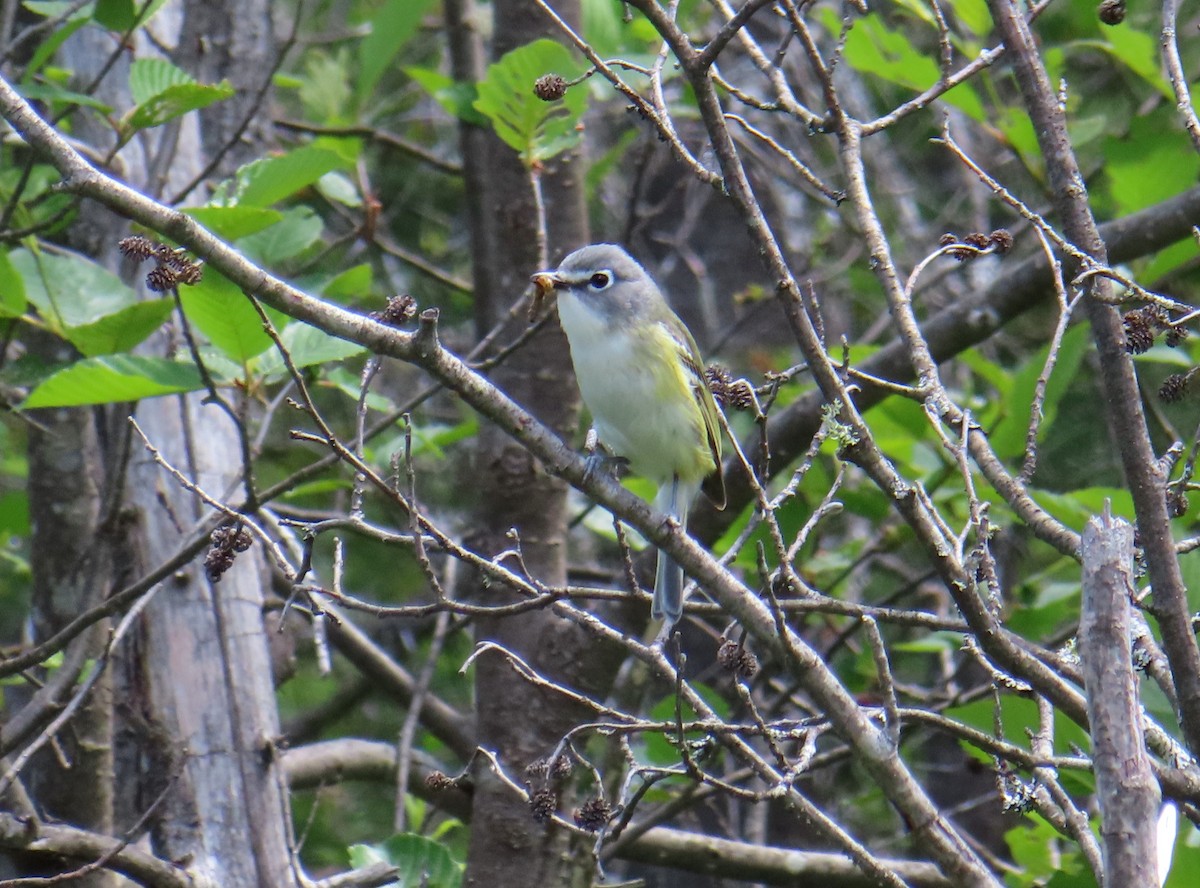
pixel 601 280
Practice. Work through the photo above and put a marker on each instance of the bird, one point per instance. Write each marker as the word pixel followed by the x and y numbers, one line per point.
pixel 642 379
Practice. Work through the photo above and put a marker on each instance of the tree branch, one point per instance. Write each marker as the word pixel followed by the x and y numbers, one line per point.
pixel 1125 786
pixel 1122 395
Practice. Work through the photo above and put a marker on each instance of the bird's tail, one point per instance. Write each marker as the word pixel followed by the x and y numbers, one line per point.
pixel 674 499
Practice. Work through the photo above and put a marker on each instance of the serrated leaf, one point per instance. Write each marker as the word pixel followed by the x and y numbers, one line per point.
pixel 121 330
pixel 535 129
pixel 232 223
pixel 219 310
pixel 325 88
pixel 175 101
pixel 265 182
pixel 149 77
pixel 12 288
pixel 306 345
pixel 420 861
pixel 113 378
pixel 69 290
pixel 391 27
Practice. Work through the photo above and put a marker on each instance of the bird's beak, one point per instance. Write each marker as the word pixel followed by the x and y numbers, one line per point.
pixel 544 283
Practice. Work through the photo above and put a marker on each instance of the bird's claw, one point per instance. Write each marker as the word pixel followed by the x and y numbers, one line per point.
pixel 602 464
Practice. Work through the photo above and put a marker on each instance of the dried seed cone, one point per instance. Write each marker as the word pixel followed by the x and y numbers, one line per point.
pixel 550 87
pixel 593 814
pixel 1111 12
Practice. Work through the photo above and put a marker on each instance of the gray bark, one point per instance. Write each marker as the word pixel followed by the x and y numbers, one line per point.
pixel 1125 786
pixel 195 697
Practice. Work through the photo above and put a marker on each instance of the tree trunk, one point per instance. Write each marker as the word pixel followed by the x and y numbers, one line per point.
pixel 196 707
pixel 519 722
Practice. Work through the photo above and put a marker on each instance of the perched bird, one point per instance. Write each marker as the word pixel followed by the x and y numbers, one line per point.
pixel 641 378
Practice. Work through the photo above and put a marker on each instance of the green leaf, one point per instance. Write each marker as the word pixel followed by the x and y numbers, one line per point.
pixel 299 229
pixel 325 88
pixel 12 288
pixel 114 378
pixel 351 283
pixel 1046 605
pixel 1074 509
pixel 391 27
pixel 265 182
pixel 47 48
pixel 52 92
pixel 1185 866
pixel 1152 162
pixel 1168 260
pixel 1035 848
pixel 604 29
pixel 69 290
pixel 220 310
pixel 429 439
pixel 307 345
pixel 874 48
pixel 974 15
pixel 150 77
pixel 172 102
pixel 458 99
pixel 122 15
pixel 233 223
pixel 1018 129
pixel 116 15
pixel 37 202
pixel 14 512
pixel 1139 52
pixel 1008 439
pixel 933 643
pixel 1017 714
pixel 121 330
pixel 338 187
pixel 163 92
pixel 421 861
pixel 49 8
pixel 610 160
pixel 535 129
pixel 350 384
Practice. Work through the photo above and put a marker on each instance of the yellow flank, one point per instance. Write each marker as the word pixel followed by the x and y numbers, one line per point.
pixel 687 453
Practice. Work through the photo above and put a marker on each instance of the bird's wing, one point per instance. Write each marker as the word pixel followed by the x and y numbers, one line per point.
pixel 714 485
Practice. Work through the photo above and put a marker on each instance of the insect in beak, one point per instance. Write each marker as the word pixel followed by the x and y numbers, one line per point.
pixel 544 283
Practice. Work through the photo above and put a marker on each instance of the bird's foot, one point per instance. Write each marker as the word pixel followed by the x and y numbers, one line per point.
pixel 603 464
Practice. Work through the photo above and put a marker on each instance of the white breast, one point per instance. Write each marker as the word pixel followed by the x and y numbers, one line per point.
pixel 633 420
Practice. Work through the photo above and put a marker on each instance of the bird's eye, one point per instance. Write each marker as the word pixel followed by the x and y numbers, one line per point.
pixel 600 280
